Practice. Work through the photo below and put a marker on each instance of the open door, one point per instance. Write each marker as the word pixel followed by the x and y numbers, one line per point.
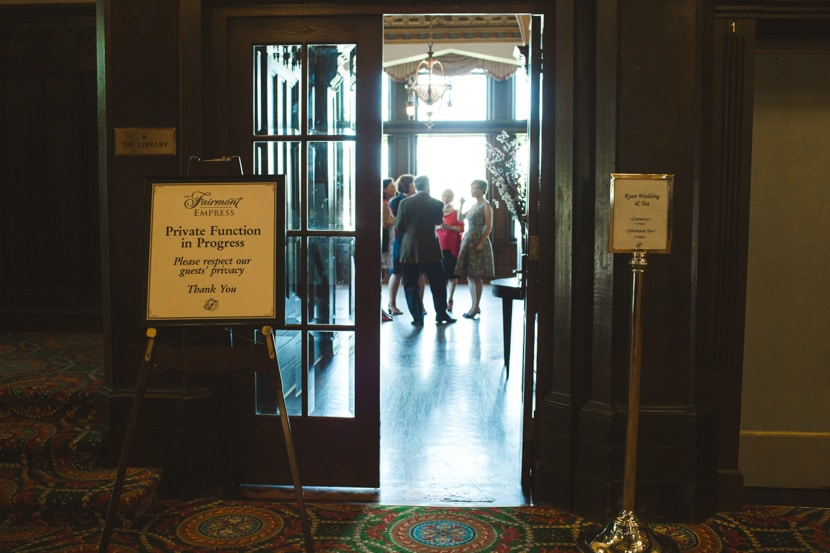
pixel 290 100
pixel 530 247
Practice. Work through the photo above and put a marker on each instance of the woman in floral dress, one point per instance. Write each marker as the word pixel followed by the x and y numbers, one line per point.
pixel 475 258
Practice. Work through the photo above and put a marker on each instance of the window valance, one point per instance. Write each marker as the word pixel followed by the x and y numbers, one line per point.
pixel 455 65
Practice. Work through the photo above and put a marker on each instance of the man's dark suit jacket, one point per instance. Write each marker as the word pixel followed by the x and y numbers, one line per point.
pixel 417 218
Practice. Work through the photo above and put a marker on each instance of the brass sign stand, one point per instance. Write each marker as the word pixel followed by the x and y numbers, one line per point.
pixel 625 533
pixel 640 222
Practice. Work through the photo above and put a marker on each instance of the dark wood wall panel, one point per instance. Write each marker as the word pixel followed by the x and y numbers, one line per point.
pixel 49 222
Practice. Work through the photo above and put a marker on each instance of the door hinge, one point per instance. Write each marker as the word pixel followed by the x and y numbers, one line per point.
pixel 533 248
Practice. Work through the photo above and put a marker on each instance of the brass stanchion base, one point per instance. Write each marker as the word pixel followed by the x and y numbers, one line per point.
pixel 625 534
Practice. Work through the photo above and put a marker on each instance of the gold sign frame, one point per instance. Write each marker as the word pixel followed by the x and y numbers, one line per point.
pixel 214 251
pixel 641 212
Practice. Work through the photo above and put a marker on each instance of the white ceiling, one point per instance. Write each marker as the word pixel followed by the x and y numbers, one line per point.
pixel 494 51
pixel 489 37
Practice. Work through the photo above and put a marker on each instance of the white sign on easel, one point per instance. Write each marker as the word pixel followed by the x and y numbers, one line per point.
pixel 214 250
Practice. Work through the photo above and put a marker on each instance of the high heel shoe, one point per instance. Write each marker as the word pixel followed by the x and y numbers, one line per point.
pixel 472 314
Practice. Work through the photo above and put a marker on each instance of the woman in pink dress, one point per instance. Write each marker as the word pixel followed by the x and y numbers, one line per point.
pixel 449 236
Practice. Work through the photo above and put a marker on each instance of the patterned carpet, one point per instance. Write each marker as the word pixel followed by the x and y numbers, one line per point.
pixel 47 502
pixel 50 442
pixel 234 526
pixel 25 355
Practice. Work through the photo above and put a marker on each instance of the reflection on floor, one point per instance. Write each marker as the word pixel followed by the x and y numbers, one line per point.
pixel 450 418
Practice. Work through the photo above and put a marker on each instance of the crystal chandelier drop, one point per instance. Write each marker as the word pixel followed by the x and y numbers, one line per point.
pixel 428 86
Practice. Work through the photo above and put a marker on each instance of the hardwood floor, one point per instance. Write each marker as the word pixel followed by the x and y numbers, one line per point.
pixel 450 418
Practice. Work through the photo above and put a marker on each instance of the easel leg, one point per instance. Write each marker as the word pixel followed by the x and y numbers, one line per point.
pixel 141 387
pixel 289 442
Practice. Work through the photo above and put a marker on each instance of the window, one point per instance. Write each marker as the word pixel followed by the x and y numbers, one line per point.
pixel 451 157
pixel 521 92
pixel 451 161
pixel 465 101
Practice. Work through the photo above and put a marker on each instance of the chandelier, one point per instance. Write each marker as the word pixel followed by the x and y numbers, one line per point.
pixel 427 85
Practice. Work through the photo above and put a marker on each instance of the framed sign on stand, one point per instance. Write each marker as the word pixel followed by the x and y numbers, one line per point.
pixel 214 251
pixel 214 255
pixel 641 208
pixel 640 222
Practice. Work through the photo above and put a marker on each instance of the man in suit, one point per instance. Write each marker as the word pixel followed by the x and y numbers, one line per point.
pixel 418 215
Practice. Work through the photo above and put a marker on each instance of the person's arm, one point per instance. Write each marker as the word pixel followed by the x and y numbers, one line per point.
pixel 461 213
pixel 388 217
pixel 488 225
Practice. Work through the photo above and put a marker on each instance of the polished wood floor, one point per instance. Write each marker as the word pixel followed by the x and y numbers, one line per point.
pixel 450 416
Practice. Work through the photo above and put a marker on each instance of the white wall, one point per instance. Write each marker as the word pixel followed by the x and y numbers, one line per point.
pixel 785 415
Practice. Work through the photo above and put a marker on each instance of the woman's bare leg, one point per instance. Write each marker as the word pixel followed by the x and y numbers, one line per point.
pixel 394 284
pixel 475 285
pixel 476 302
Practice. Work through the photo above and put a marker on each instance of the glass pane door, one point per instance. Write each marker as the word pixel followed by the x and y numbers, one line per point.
pixel 295 82
pixel 321 199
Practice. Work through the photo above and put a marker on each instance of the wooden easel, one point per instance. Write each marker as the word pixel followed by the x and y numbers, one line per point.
pixel 206 359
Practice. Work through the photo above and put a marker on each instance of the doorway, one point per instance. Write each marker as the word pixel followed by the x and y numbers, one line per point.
pixel 307 124
pixel 451 419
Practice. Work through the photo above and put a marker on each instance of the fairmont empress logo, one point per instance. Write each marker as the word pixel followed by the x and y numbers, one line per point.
pixel 203 205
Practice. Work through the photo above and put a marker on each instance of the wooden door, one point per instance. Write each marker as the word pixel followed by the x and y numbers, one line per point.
pixel 530 251
pixel 289 99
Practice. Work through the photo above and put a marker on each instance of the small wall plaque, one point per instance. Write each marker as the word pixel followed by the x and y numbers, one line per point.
pixel 157 141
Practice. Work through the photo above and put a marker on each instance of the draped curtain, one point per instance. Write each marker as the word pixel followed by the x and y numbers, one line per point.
pixel 454 65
